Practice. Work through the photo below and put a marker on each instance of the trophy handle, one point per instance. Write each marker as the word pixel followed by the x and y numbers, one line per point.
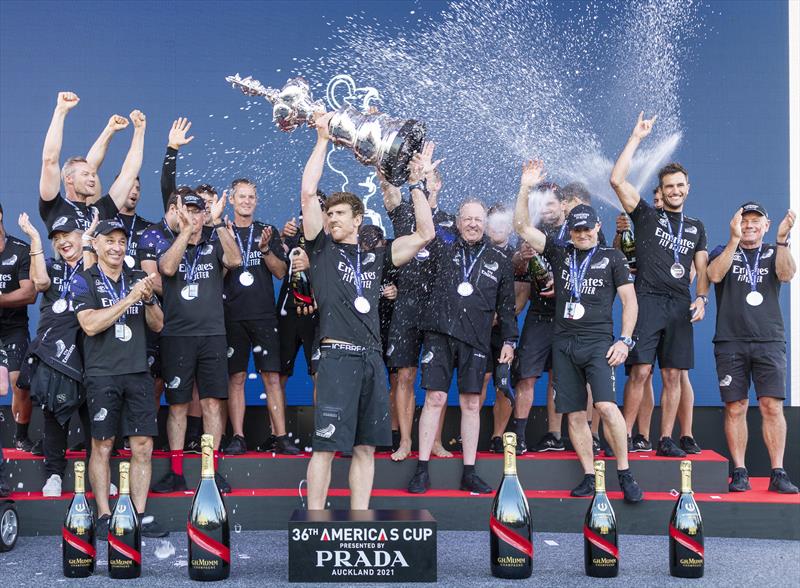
pixel 251 87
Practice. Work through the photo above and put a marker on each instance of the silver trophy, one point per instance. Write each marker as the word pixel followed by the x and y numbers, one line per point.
pixel 375 138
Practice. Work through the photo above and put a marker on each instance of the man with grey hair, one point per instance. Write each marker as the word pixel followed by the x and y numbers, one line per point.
pixel 474 280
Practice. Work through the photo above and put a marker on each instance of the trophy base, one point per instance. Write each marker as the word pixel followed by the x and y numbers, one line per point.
pixel 408 141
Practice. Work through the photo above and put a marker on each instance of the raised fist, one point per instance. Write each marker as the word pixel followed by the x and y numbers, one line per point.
pixel 67 101
pixel 138 119
pixel 117 122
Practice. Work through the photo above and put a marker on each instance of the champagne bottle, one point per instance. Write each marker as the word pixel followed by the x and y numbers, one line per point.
pixel 300 285
pixel 540 275
pixel 628 246
pixel 510 539
pixel 686 552
pixel 208 529
pixel 78 541
pixel 124 532
pixel 600 552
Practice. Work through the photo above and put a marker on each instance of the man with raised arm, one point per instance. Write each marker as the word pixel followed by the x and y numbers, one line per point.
pixel 667 243
pixel 587 279
pixel 79 174
pixel 352 405
pixel 749 341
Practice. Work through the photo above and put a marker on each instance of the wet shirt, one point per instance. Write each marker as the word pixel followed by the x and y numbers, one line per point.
pixel 606 271
pixel 107 354
pixel 56 341
pixel 655 247
pixel 736 319
pixel 134 227
pixel 15 265
pixel 154 241
pixel 286 305
pixel 57 211
pixel 256 300
pixel 333 271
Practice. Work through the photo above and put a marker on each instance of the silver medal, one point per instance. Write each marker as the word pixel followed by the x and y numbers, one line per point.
pixel 574 311
pixel 362 305
pixel 189 292
pixel 246 279
pixel 422 254
pixel 129 261
pixel 123 332
pixel 59 306
pixel 677 271
pixel 754 298
pixel 465 289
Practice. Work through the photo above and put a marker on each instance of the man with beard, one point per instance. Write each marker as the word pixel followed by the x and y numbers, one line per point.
pixel 668 242
pixel 351 415
pixel 749 341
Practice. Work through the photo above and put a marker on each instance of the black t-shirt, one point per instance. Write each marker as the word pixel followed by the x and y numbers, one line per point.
pixel 607 271
pixel 201 314
pixel 333 272
pixel 134 227
pixel 736 319
pixel 256 301
pixel 104 354
pixel 655 249
pixel 15 265
pixel 56 341
pixel 56 211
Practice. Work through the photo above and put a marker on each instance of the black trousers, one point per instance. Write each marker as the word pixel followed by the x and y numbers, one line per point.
pixel 55 440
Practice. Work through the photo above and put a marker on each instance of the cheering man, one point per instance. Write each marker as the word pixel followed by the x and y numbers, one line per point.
pixel 352 404
pixel 667 243
pixel 749 342
pixel 587 279
pixel 113 304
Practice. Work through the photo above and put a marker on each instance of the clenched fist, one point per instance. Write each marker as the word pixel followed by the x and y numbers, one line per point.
pixel 67 101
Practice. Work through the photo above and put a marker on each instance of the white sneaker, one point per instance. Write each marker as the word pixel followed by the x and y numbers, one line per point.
pixel 112 490
pixel 52 487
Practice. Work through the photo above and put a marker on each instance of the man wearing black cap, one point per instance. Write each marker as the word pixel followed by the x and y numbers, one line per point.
pixel 193 337
pixel 114 304
pixel 16 293
pixel 749 342
pixel 667 243
pixel 587 279
pixel 351 413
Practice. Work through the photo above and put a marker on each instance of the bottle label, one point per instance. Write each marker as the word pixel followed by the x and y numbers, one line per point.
pixel 509 460
pixel 78 543
pixel 688 542
pixel 80 484
pixel 686 479
pixel 600 542
pixel 207 464
pixel 124 481
pixel 208 544
pixel 126 551
pixel 599 480
pixel 508 536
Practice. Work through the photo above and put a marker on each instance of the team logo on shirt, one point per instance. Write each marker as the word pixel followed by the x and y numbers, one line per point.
pixel 368 258
pixel 327 432
pixel 491 266
pixel 602 264
pixel 11 260
pixel 100 415
pixel 767 254
pixel 176 381
pixel 726 381
pixel 690 229
pixel 207 249
pixel 446 224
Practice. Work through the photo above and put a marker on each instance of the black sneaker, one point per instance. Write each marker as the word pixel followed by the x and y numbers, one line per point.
pixel 420 483
pixel 268 445
pixel 496 445
pixel 740 481
pixel 284 446
pixel 473 483
pixel 689 445
pixel 222 483
pixel 595 445
pixel 608 450
pixel 667 448
pixel 630 489
pixel 150 526
pixel 630 445
pixel 585 488
pixel 101 528
pixel 171 482
pixel 237 446
pixel 639 443
pixel 549 443
pixel 192 446
pixel 5 489
pixel 38 448
pixel 23 444
pixel 779 482
pixel 522 448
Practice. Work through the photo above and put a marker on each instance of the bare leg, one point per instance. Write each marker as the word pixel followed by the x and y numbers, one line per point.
pixel 645 414
pixel 736 430
pixel 276 402
pixel 100 473
pixel 470 425
pixel 774 426
pixel 553 417
pixel 236 403
pixel 158 387
pixel 594 424
pixel 176 426
pixel 670 399
pixel 501 413
pixel 141 470
pixel 319 478
pixel 435 402
pixel 686 406
pixel 21 405
pixel 615 433
pixel 212 419
pixel 438 446
pixel 404 398
pixel 634 389
pixel 393 400
pixel 362 474
pixel 581 438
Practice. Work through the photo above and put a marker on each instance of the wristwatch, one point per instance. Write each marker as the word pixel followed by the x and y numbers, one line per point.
pixel 703 297
pixel 512 343
pixel 421 185
pixel 629 343
pixel 784 244
pixel 219 225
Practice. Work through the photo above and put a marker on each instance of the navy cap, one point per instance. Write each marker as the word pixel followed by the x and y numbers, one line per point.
pixel 108 226
pixel 756 207
pixel 582 216
pixel 192 199
pixel 64 224
pixel 502 381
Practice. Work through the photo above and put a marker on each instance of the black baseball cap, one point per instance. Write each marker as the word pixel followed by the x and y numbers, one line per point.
pixel 106 227
pixel 756 207
pixel 64 224
pixel 502 381
pixel 192 199
pixel 582 216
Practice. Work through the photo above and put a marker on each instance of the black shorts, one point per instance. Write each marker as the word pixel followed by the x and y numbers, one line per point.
pixel 576 362
pixel 405 339
pixel 495 348
pixel 739 363
pixel 352 405
pixel 294 331
pixel 535 350
pixel 443 354
pixel 15 345
pixel 123 404
pixel 664 331
pixel 258 335
pixel 153 353
pixel 186 359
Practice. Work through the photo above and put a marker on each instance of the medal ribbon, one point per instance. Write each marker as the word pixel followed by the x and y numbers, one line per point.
pixel 190 269
pixel 112 293
pixel 62 291
pixel 129 234
pixel 752 272
pixel 356 270
pixel 562 231
pixel 677 238
pixel 249 245
pixel 467 271
pixel 578 274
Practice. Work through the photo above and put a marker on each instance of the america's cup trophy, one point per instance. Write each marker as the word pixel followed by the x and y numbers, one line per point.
pixel 375 138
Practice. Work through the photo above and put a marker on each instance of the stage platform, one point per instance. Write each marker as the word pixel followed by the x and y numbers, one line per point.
pixel 268 487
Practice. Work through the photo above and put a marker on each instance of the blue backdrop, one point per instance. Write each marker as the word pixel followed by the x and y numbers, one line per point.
pixel 169 59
